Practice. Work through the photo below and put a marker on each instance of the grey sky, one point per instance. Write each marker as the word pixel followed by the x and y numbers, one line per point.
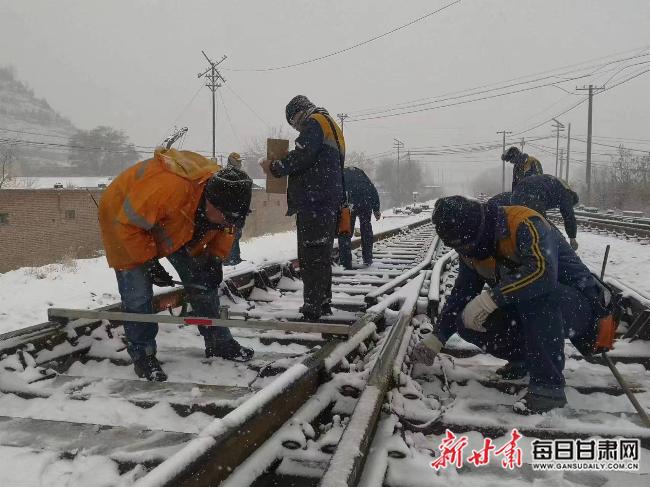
pixel 133 65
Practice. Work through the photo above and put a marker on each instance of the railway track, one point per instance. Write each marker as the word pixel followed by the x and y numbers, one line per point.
pixel 461 394
pixel 621 226
pixel 305 411
pixel 70 403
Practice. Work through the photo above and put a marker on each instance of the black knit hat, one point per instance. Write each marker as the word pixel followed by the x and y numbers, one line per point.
pixel 230 191
pixel 510 154
pixel 459 221
pixel 297 104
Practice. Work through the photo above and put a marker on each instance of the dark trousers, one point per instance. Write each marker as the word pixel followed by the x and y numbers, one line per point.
pixel 136 291
pixel 235 252
pixel 533 333
pixel 315 242
pixel 345 243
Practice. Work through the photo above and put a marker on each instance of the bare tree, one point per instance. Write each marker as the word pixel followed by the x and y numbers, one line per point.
pixel 255 150
pixel 102 151
pixel 8 156
pixel 624 183
pixel 361 161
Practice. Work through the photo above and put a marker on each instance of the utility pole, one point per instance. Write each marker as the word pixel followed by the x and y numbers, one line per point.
pixel 558 126
pixel 398 145
pixel 591 89
pixel 522 143
pixel 561 162
pixel 342 118
pixel 503 163
pixel 568 145
pixel 213 80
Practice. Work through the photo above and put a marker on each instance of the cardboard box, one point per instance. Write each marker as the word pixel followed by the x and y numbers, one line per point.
pixel 276 149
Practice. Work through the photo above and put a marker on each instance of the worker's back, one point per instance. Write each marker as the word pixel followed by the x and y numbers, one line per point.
pixel 362 194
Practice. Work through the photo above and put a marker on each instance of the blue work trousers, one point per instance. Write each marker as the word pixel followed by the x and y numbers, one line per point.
pixel 235 252
pixel 136 291
pixel 345 243
pixel 533 333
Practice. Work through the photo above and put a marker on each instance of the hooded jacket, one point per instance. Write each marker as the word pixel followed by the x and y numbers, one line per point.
pixel 543 192
pixel 149 210
pixel 314 166
pixel 362 193
pixel 525 166
pixel 530 258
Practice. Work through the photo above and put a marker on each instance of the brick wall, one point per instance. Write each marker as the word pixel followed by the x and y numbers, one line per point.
pixel 38 227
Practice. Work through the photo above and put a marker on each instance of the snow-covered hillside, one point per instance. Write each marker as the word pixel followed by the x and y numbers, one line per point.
pixel 32 126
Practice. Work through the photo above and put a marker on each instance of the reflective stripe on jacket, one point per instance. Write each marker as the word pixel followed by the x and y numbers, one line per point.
pixel 148 210
pixel 530 167
pixel 531 258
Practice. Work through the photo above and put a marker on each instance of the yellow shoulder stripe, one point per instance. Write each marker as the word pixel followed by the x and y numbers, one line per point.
pixel 541 263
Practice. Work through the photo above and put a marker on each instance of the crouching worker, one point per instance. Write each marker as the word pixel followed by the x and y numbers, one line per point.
pixel 539 293
pixel 177 206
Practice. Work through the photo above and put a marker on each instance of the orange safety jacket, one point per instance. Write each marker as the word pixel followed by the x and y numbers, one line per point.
pixel 148 211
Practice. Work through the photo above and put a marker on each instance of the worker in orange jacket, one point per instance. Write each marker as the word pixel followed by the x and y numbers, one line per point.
pixel 176 205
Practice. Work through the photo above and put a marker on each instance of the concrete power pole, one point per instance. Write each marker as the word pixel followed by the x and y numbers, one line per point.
pixel 561 162
pixel 558 126
pixel 591 89
pixel 213 80
pixel 568 146
pixel 503 163
pixel 398 145
pixel 342 118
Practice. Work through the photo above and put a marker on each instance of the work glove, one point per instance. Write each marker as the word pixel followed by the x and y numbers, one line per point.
pixel 477 311
pixel 426 350
pixel 574 244
pixel 377 214
pixel 157 274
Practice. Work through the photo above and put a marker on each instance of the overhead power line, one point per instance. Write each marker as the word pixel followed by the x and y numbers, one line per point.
pixel 556 73
pixel 350 48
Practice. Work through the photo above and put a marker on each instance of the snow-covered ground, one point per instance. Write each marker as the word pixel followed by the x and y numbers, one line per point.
pixel 27 293
pixel 628 261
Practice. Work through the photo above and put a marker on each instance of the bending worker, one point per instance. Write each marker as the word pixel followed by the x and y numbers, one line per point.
pixel 542 193
pixel 539 293
pixel 364 200
pixel 315 196
pixel 524 165
pixel 173 205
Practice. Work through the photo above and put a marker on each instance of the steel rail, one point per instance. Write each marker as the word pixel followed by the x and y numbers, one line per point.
pixel 227 442
pixel 347 464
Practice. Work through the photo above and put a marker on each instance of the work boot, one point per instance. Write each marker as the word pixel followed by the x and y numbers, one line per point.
pixel 149 367
pixel 368 263
pixel 532 403
pixel 513 370
pixel 326 309
pixel 308 315
pixel 229 349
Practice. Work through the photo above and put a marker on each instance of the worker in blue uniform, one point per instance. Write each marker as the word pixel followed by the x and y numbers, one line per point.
pixel 538 293
pixel 542 193
pixel 523 165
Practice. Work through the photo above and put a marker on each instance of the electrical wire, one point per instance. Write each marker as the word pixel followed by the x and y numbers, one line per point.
pixel 232 128
pixel 349 48
pixel 581 102
pixel 249 107
pixel 491 88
